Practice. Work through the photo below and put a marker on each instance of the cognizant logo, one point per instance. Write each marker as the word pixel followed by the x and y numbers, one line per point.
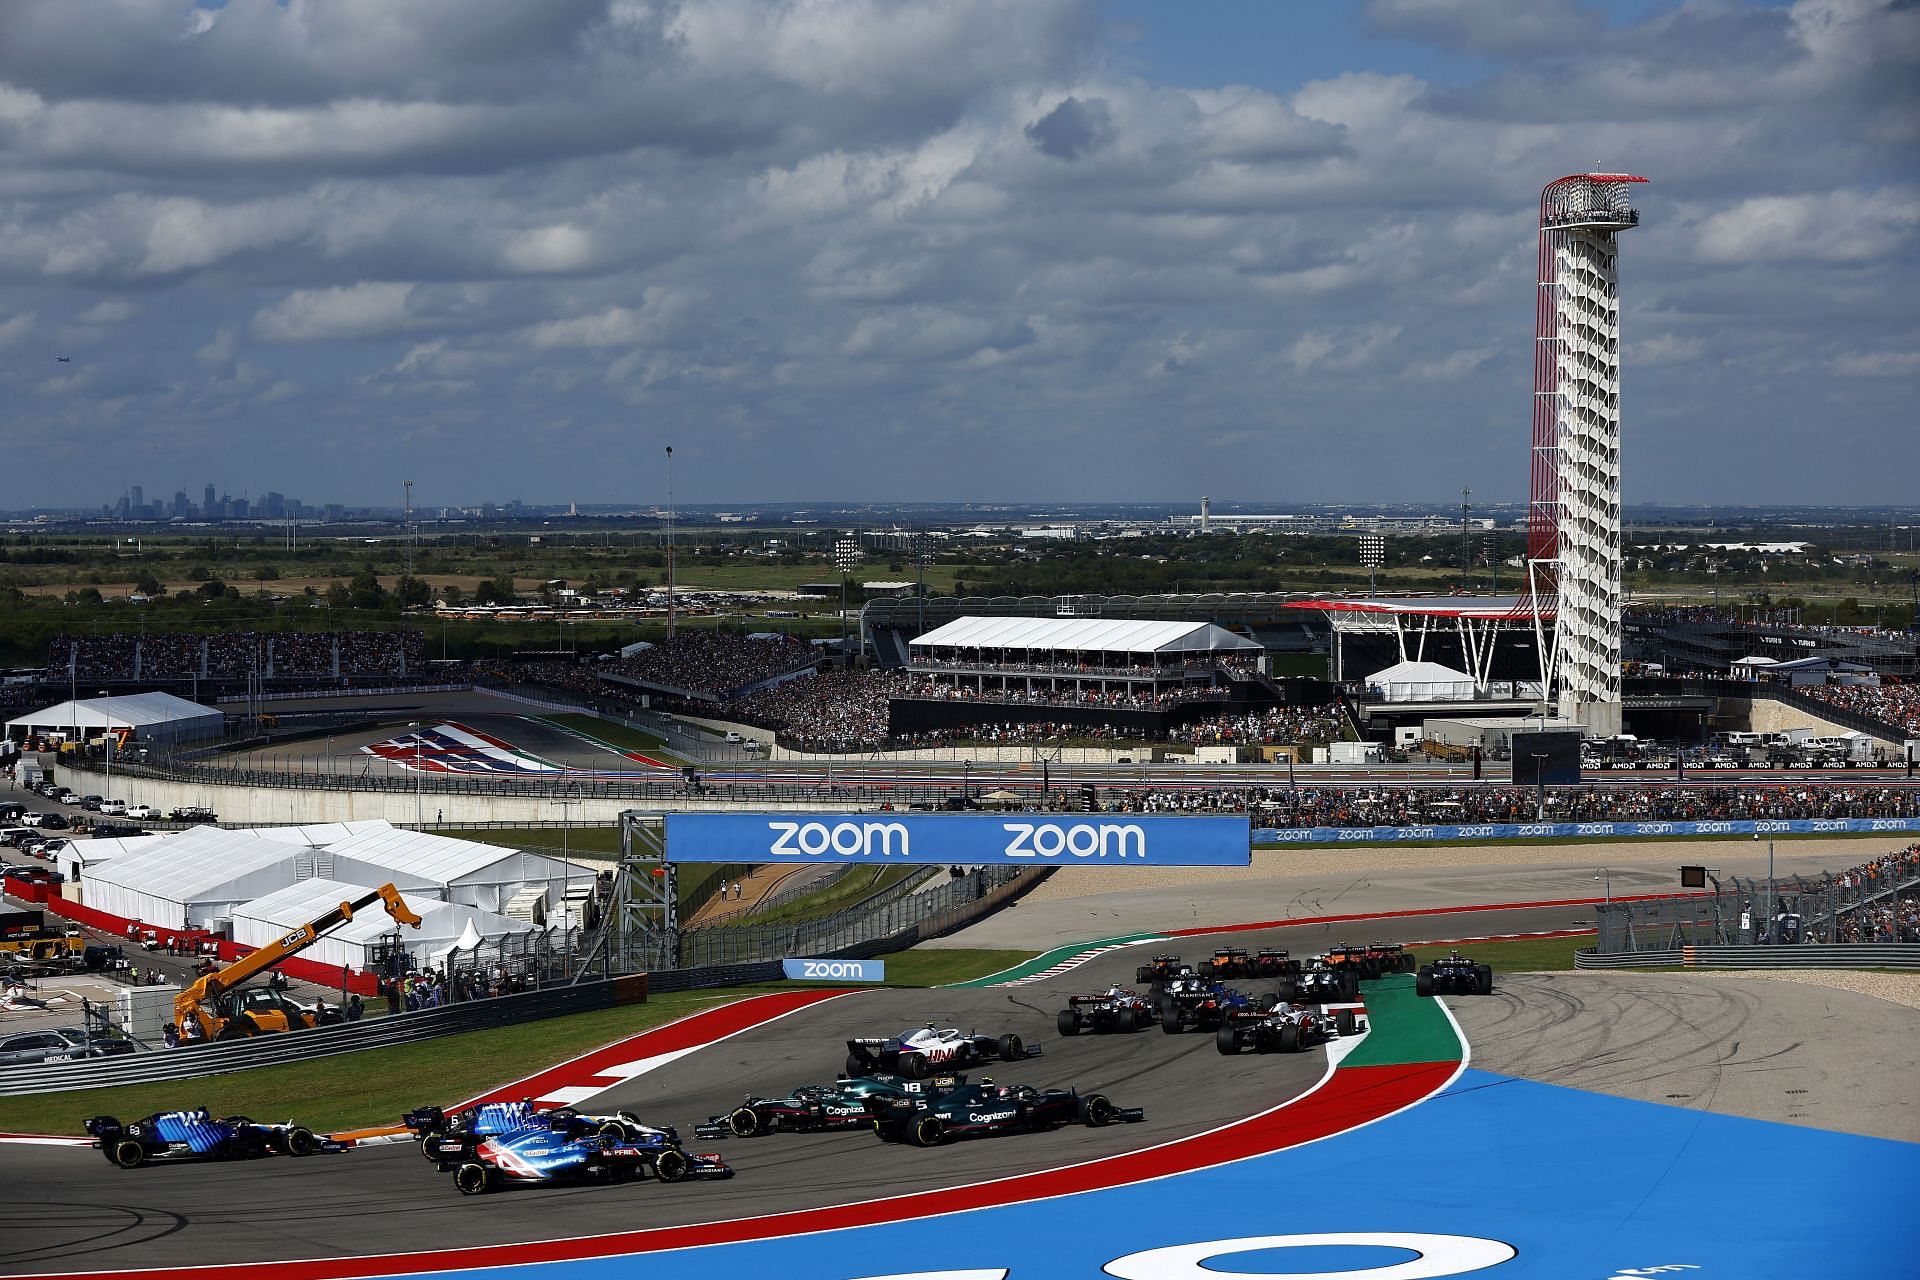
pixel 848 839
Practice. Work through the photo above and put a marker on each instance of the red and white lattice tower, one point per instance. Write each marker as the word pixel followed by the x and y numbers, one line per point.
pixel 1573 508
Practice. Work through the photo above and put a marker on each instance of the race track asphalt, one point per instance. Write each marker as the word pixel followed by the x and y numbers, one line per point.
pixel 69 1210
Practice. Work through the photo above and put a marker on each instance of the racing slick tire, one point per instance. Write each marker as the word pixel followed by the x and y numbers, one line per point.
pixel 929 1131
pixel 671 1166
pixel 1069 1022
pixel 128 1154
pixel 1286 989
pixel 1170 1020
pixel 1406 962
pixel 1143 975
pixel 1485 975
pixel 1423 981
pixel 743 1122
pixel 913 1065
pixel 473 1179
pixel 1290 1039
pixel 301 1142
pixel 613 1129
pixel 1343 1021
pixel 1012 1048
pixel 855 1067
pixel 1226 1041
pixel 1097 1110
pixel 1125 1021
pixel 1350 986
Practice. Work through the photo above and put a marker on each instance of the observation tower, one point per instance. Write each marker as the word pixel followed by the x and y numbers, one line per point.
pixel 1573 506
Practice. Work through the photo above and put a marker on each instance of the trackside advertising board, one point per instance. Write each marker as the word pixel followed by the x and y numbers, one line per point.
pixel 835 970
pixel 1558 830
pixel 973 839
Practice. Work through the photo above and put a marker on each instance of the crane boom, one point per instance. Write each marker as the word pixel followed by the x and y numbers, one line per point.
pixel 192 1004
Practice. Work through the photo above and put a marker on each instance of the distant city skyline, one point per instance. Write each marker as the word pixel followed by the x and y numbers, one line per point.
pixel 1104 249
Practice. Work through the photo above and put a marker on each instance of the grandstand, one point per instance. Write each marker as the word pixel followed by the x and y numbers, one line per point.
pixel 313 658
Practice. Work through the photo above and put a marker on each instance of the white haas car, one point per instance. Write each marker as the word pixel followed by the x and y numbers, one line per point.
pixel 924 1051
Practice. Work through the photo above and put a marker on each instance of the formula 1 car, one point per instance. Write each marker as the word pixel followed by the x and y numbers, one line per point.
pixel 195 1135
pixel 1318 982
pixel 1165 966
pixel 1116 1009
pixel 978 1110
pixel 1454 975
pixel 446 1140
pixel 1270 962
pixel 1286 1028
pixel 1373 960
pixel 1197 1002
pixel 814 1108
pixel 1229 962
pixel 921 1051
pixel 561 1148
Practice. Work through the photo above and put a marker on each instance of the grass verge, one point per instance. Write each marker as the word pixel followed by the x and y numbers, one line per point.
pixel 1517 955
pixel 614 735
pixel 368 1088
pixel 850 888
pixel 937 966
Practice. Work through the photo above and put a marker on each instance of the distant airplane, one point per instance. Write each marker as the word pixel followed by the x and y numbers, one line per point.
pixel 64 359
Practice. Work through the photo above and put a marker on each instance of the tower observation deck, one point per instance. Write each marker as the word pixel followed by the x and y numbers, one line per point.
pixel 1573 507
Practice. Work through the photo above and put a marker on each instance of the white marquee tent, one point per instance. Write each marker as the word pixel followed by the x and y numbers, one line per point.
pixel 460 871
pixel 1422 682
pixel 194 878
pixel 1081 635
pixel 148 717
pixel 267 919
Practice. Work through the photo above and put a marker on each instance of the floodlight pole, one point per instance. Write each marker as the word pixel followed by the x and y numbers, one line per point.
pixel 1540 786
pixel 670 606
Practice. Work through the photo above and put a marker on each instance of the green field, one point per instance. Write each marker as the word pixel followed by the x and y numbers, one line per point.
pixel 370 1088
pixel 1517 955
pixel 617 736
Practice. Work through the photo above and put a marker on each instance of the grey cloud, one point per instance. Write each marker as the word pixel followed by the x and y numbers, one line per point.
pixel 1072 129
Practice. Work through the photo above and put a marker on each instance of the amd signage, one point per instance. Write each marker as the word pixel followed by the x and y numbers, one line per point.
pixel 961 839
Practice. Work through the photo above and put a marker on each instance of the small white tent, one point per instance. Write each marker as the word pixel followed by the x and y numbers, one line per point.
pixel 1421 682
pixel 270 918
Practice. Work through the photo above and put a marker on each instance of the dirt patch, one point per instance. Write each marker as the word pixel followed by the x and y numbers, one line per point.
pixel 1897 988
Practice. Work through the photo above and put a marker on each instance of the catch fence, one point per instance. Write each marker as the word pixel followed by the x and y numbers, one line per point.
pixel 1863 907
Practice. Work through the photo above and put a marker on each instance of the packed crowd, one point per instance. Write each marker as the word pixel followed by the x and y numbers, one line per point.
pixel 234 654
pixel 713 663
pixel 1276 726
pixel 1423 806
pixel 828 711
pixel 1895 705
pixel 1884 917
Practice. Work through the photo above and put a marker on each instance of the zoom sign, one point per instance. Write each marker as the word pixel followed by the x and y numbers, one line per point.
pixel 835 970
pixel 1016 839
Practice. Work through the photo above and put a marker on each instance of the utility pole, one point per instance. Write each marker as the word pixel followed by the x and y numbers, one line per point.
pixel 670 609
pixel 409 533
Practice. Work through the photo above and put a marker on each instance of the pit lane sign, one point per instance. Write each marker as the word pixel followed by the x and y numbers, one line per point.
pixel 1013 839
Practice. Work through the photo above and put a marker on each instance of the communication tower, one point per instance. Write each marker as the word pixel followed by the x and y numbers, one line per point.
pixel 1573 507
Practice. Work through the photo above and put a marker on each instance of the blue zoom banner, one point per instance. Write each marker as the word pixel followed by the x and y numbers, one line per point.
pixel 1539 830
pixel 836 970
pixel 973 839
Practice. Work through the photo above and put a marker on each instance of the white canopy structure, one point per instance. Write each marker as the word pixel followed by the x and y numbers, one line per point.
pixel 1422 682
pixel 195 878
pixel 79 860
pixel 460 871
pixel 267 919
pixel 147 717
pixel 1082 635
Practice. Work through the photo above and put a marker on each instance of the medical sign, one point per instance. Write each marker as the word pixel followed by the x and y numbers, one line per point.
pixel 1012 839
pixel 835 970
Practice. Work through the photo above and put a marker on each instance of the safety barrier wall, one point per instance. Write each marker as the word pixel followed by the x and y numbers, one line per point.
pixel 1557 830
pixel 1851 956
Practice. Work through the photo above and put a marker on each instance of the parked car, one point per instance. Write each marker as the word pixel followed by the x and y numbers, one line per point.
pixel 142 812
pixel 32 819
pixel 113 808
pixel 54 822
pixel 91 803
pixel 60 1044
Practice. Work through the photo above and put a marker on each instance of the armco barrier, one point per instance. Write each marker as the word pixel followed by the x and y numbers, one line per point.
pixel 1848 956
pixel 193 1061
pixel 1561 830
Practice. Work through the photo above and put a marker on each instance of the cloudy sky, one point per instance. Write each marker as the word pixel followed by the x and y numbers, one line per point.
pixel 940 249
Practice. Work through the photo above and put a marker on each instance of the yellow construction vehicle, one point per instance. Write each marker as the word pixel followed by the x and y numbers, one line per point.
pixel 44 946
pixel 217 1008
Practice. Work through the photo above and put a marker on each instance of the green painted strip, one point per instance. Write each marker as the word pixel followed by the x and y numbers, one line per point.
pixel 1047 959
pixel 1404 1028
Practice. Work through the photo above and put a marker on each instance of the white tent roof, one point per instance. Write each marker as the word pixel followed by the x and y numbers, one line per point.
pixel 442 859
pixel 1755 660
pixel 1087 635
pixel 323 835
pixel 270 916
pixel 131 711
pixel 1419 673
pixel 182 867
